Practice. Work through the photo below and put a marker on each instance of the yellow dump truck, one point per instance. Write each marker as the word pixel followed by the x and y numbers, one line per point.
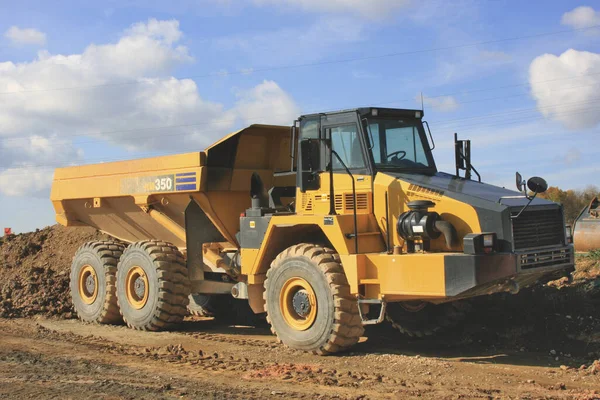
pixel 338 221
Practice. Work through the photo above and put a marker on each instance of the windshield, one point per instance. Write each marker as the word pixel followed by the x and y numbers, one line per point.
pixel 397 143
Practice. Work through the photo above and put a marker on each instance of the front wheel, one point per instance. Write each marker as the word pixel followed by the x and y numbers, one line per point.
pixel 420 319
pixel 308 301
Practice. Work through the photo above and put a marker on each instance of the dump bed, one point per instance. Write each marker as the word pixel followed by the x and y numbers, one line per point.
pixel 147 198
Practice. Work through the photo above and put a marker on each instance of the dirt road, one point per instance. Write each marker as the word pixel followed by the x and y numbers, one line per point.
pixel 50 358
pixel 531 345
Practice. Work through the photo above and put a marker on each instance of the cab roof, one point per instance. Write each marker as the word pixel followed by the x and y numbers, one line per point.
pixel 368 111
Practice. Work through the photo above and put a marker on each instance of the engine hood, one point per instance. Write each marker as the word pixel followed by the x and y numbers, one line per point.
pixel 473 192
pixel 493 205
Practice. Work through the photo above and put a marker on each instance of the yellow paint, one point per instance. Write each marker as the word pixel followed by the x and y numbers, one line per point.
pixel 373 273
pixel 127 190
pixel 168 223
pixel 463 216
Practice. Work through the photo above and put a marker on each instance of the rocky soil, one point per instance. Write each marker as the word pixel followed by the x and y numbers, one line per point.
pixel 34 271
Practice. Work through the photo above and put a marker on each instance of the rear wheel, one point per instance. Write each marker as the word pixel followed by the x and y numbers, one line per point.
pixel 93 282
pixel 152 285
pixel 224 309
pixel 308 301
pixel 208 305
pixel 420 319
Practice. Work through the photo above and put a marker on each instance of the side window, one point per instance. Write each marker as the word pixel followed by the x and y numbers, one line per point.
pixel 346 142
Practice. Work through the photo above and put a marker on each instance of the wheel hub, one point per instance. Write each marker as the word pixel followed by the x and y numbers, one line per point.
pixel 298 303
pixel 301 303
pixel 140 287
pixel 136 288
pixel 88 284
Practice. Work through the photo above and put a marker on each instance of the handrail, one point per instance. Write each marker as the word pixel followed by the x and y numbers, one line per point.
pixel 333 152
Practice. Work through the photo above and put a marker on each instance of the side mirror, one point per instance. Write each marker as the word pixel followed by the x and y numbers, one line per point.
pixel 520 182
pixel 537 185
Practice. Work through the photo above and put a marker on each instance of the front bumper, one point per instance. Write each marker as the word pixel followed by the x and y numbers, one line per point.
pixel 439 276
pixel 473 275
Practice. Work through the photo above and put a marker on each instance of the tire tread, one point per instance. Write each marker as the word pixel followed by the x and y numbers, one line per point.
pixel 347 327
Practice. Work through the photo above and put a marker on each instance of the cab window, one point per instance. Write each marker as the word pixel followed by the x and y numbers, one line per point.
pixel 397 144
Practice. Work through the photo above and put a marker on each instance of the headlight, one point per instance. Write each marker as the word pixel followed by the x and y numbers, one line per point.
pixel 479 243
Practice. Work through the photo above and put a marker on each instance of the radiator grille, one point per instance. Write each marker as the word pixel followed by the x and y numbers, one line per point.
pixel 538 228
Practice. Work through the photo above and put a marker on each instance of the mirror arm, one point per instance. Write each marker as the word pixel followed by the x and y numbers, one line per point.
pixel 526 205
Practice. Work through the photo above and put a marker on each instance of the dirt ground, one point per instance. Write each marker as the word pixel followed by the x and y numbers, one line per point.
pixel 542 343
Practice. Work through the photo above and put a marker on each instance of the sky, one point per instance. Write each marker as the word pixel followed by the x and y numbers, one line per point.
pixel 89 82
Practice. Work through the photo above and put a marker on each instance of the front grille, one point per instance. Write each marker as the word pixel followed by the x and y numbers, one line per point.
pixel 538 228
pixel 544 258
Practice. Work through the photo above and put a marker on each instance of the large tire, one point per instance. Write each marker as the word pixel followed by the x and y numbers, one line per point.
pixel 93 282
pixel 209 305
pixel 308 301
pixel 152 286
pixel 426 319
pixel 224 309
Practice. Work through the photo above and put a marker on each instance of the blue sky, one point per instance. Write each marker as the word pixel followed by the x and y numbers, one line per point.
pixel 113 80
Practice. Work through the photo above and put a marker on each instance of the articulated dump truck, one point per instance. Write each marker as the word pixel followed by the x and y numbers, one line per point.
pixel 339 221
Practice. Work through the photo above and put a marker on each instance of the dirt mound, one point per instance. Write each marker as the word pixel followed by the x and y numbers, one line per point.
pixel 34 270
pixel 559 319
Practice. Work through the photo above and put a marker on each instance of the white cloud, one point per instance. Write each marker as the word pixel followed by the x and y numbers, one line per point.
pixel 25 36
pixel 582 17
pixel 24 181
pixel 167 31
pixel 38 125
pixel 266 99
pixel 369 9
pixel 547 75
pixel 440 103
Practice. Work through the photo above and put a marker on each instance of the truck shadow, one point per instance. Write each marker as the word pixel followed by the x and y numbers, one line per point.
pixel 541 326
pixel 550 325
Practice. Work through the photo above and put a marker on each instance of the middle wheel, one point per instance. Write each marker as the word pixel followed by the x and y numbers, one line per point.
pixel 308 301
pixel 152 285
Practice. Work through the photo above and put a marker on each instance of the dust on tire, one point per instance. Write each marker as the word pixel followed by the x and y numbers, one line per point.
pixel 168 285
pixel 338 325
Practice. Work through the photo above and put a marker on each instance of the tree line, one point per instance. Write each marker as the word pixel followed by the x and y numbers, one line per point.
pixel 573 201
